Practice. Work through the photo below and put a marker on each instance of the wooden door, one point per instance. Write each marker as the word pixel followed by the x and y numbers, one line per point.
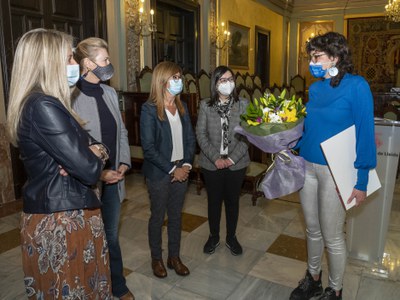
pixel 81 18
pixel 262 62
pixel 176 39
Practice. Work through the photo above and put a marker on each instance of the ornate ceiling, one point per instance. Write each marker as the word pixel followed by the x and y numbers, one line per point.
pixel 321 6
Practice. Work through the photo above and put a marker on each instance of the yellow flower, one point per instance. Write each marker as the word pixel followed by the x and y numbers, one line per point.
pixel 289 115
pixel 250 122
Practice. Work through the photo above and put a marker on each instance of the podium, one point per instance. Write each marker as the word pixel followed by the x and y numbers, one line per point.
pixel 368 224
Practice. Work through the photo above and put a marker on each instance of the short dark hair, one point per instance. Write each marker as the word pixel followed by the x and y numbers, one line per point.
pixel 215 76
pixel 333 44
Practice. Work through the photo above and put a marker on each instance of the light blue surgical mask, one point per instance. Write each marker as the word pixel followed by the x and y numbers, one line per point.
pixel 316 69
pixel 72 74
pixel 175 86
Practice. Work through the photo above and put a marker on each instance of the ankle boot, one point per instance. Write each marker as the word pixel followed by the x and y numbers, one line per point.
pixel 307 288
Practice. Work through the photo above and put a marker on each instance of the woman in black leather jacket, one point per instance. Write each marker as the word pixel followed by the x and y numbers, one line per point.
pixel 64 250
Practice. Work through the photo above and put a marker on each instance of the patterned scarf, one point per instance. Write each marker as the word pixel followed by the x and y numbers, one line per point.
pixel 224 111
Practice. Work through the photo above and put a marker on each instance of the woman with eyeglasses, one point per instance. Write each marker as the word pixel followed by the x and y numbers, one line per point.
pixel 97 104
pixel 168 144
pixel 223 158
pixel 337 101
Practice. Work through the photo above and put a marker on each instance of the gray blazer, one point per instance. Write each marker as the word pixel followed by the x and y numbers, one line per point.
pixel 86 108
pixel 209 136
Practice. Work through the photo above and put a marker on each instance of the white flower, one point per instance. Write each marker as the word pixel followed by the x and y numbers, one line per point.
pixel 266 110
pixel 274 118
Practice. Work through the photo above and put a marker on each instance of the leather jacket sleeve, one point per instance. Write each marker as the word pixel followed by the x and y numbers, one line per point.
pixel 61 137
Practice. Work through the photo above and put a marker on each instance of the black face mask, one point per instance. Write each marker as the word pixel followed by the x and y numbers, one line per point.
pixel 104 73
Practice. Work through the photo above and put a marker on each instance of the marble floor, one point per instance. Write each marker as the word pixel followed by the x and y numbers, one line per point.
pixel 272 236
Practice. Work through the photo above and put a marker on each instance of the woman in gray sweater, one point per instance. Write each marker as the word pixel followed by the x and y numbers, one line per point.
pixel 97 105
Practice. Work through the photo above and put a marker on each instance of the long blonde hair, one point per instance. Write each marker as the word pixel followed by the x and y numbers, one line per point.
pixel 39 65
pixel 159 81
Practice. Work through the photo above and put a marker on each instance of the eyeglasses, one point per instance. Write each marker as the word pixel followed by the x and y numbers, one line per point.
pixel 315 57
pixel 225 80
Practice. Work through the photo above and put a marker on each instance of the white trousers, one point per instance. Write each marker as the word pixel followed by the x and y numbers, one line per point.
pixel 324 216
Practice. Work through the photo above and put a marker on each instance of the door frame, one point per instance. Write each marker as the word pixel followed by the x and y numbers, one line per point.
pixel 266 32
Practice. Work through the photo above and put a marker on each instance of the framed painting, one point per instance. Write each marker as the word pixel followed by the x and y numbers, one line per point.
pixel 239 46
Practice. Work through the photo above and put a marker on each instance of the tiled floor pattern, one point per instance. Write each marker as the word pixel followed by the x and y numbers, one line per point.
pixel 271 233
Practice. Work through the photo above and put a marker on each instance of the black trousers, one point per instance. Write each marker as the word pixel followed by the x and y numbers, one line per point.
pixel 223 186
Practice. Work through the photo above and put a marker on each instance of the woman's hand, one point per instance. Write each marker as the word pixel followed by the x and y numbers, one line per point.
pixel 122 169
pixel 111 176
pixel 228 162
pixel 62 171
pixel 221 163
pixel 181 174
pixel 360 197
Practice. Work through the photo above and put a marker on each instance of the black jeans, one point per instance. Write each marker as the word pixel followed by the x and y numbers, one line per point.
pixel 223 186
pixel 165 197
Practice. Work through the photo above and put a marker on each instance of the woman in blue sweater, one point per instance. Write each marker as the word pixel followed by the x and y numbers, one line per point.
pixel 336 102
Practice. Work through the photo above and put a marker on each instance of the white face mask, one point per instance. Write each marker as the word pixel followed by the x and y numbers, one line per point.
pixel 226 88
pixel 72 74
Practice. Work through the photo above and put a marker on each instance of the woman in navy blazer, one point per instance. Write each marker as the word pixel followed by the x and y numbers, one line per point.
pixel 168 144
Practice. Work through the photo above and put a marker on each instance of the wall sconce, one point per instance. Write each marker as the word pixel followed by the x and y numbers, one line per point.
pixel 220 37
pixel 139 21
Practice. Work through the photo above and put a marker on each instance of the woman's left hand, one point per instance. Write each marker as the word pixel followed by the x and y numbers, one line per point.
pixel 360 197
pixel 122 169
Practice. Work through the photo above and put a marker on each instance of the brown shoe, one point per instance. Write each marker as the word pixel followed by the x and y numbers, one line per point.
pixel 176 264
pixel 158 268
pixel 127 296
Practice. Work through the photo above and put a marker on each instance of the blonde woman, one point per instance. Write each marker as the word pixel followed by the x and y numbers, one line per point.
pixel 168 144
pixel 97 104
pixel 64 249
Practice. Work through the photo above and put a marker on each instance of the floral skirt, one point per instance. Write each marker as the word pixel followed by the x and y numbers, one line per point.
pixel 65 255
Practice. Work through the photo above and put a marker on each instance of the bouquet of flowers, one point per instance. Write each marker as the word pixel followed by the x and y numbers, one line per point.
pixel 275 124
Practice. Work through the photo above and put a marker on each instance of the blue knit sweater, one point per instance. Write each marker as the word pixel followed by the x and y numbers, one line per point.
pixel 330 111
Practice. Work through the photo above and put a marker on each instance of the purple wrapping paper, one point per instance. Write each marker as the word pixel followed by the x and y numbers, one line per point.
pixel 286 173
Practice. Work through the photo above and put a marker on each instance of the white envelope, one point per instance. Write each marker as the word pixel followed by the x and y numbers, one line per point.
pixel 340 153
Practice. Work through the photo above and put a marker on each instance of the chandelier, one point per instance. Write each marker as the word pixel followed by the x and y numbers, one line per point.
pixel 393 10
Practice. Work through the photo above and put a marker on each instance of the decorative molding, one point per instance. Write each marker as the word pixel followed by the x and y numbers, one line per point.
pixel 211 26
pixel 6 178
pixel 132 42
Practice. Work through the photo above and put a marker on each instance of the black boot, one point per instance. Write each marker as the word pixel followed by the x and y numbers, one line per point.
pixel 308 288
pixel 330 294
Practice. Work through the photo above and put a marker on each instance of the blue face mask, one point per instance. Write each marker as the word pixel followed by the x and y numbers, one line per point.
pixel 72 74
pixel 316 70
pixel 175 86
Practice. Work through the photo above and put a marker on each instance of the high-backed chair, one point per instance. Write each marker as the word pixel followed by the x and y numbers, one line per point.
pixel 143 80
pixel 239 80
pixel 188 78
pixel 299 84
pixel 244 93
pixel 203 80
pixel 267 91
pixel 257 94
pixel 248 81
pixel 276 90
pixel 257 81
pixel 391 112
pixel 292 92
